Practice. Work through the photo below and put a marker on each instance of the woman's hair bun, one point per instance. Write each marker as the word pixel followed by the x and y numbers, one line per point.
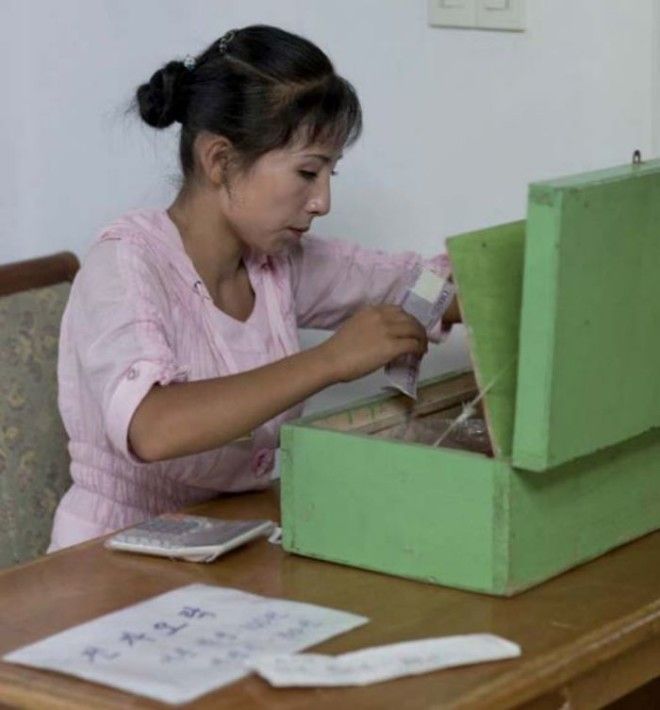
pixel 260 87
pixel 161 100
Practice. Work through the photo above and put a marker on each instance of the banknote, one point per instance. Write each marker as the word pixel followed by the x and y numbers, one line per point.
pixel 427 300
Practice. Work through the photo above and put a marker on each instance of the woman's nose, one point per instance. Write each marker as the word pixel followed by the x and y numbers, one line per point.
pixel 319 203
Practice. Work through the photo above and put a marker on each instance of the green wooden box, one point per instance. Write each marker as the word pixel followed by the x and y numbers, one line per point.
pixel 563 319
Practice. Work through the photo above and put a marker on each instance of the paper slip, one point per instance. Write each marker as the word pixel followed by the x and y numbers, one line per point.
pixel 182 644
pixel 427 301
pixel 276 536
pixel 374 665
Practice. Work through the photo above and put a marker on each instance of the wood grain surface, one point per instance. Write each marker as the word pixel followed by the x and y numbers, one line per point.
pixel 39 272
pixel 588 637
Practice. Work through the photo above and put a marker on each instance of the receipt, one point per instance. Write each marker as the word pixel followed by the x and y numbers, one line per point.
pixel 427 301
pixel 380 663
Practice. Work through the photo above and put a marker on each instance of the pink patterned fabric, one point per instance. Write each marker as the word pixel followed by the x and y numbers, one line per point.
pixel 139 314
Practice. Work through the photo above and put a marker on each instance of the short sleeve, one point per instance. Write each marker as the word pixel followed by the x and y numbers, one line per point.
pixel 119 328
pixel 332 279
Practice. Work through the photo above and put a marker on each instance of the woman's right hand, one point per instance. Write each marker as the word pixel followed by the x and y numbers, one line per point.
pixel 371 338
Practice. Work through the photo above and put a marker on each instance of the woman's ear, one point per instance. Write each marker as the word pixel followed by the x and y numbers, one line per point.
pixel 213 154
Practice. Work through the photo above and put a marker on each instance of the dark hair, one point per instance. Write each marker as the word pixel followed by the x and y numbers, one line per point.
pixel 261 87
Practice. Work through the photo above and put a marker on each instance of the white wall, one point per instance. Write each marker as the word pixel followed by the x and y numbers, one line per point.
pixel 457 122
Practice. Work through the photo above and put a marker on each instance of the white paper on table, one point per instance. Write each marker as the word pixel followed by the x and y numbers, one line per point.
pixel 184 643
pixel 275 538
pixel 379 663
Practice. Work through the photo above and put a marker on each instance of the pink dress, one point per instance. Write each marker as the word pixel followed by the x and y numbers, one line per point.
pixel 139 314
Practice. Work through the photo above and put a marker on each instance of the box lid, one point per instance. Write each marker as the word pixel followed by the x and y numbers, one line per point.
pixel 488 272
pixel 588 374
pixel 588 344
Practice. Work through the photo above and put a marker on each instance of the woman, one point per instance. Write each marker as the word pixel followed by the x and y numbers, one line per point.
pixel 179 355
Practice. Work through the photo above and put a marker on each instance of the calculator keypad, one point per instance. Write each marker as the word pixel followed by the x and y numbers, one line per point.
pixel 185 531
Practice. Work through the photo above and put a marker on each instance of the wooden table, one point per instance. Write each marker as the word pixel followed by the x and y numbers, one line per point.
pixel 588 637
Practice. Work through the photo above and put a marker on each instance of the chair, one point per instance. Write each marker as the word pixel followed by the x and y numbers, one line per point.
pixel 34 462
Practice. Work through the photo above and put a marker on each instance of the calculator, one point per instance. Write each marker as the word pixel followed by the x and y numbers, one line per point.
pixel 188 537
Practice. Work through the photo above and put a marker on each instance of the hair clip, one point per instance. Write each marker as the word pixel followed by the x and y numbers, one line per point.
pixel 225 41
pixel 189 62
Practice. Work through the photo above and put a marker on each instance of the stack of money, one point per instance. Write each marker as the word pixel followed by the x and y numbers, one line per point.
pixel 427 300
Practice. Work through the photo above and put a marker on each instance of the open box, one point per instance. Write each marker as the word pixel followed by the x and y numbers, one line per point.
pixel 563 319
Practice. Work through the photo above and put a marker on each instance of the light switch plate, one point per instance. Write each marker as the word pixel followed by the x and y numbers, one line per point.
pixel 508 15
pixel 452 13
pixel 501 15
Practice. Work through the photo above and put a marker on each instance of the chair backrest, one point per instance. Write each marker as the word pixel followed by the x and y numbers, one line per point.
pixel 34 461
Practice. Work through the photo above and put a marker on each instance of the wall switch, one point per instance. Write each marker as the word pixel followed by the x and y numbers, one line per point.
pixel 452 13
pixel 501 15
pixel 479 14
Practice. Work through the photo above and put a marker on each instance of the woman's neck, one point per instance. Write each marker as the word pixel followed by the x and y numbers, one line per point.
pixel 214 250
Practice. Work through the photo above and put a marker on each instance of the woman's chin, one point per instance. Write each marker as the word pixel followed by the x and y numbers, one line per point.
pixel 280 244
pixel 284 245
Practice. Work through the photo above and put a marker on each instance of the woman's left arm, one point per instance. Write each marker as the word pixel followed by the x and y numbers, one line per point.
pixel 331 280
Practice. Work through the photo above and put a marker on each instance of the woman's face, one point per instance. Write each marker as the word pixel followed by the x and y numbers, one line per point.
pixel 273 204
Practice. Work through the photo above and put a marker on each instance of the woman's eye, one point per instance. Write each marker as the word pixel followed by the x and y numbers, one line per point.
pixel 310 175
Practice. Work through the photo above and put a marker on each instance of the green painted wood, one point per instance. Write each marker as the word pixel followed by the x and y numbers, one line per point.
pixel 590 335
pixel 587 409
pixel 457 518
pixel 389 506
pixel 580 510
pixel 488 269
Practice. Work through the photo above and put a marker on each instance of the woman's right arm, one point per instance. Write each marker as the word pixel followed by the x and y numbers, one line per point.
pixel 190 417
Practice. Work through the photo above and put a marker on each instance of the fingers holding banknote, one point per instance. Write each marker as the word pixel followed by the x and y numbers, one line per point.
pixel 371 338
